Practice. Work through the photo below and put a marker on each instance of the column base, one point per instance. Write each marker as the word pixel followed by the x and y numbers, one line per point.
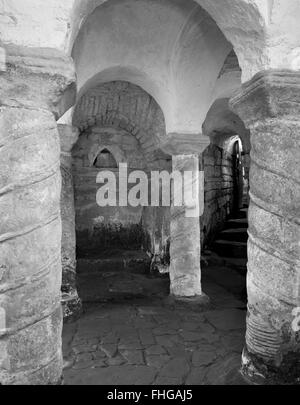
pixel 255 372
pixel 198 302
pixel 43 375
pixel 72 307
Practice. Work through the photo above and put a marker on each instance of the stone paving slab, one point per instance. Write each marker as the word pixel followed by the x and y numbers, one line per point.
pixel 127 353
pixel 114 375
pixel 227 319
pixel 142 341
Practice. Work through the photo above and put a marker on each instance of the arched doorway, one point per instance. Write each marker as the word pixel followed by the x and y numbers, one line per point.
pixel 117 242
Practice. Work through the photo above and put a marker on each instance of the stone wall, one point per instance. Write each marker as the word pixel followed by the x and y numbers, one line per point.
pixel 122 118
pixel 98 227
pixel 126 121
pixel 126 107
pixel 103 228
pixel 219 191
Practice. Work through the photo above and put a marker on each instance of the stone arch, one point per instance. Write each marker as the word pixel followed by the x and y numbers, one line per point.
pixel 176 58
pixel 123 106
pixel 109 110
pixel 225 128
pixel 129 74
pixel 221 124
pixel 240 38
pixel 242 22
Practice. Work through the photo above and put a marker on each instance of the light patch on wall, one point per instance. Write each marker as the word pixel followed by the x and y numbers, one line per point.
pixel 98 220
pixel 2 60
pixel 2 321
pixel 296 321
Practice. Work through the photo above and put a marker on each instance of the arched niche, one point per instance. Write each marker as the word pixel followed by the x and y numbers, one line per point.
pixel 105 160
pixel 226 167
pixel 123 119
pixel 114 156
pixel 264 33
pixel 121 107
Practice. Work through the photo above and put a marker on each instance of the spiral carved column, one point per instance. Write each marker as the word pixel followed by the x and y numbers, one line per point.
pixel 270 106
pixel 30 228
pixel 70 301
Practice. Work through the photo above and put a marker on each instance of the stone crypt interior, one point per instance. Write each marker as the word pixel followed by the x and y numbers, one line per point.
pixel 144 295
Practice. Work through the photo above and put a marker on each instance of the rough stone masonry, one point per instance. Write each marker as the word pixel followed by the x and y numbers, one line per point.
pixel 202 85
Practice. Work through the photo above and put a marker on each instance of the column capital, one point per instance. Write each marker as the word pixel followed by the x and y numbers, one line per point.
pixel 269 94
pixel 185 144
pixel 37 78
pixel 68 137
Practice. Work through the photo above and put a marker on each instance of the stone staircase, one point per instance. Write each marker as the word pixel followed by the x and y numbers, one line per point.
pixel 231 244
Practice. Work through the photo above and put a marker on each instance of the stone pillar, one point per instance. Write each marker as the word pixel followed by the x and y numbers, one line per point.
pixel 270 106
pixel 185 248
pixel 31 91
pixel 185 245
pixel 70 301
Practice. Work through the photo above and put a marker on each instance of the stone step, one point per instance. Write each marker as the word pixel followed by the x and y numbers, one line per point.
pixel 238 264
pixel 227 277
pixel 243 213
pixel 121 262
pixel 237 235
pixel 227 248
pixel 237 223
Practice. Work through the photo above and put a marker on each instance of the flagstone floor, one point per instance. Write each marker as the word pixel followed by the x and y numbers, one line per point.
pixel 145 341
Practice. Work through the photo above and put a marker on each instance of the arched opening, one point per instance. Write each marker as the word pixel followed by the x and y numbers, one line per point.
pixel 241 182
pixel 249 19
pixel 120 127
pixel 225 219
pixel 174 50
pixel 184 91
pixel 105 160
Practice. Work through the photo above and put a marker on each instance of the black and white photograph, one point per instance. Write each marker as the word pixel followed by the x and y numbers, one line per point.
pixel 150 196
